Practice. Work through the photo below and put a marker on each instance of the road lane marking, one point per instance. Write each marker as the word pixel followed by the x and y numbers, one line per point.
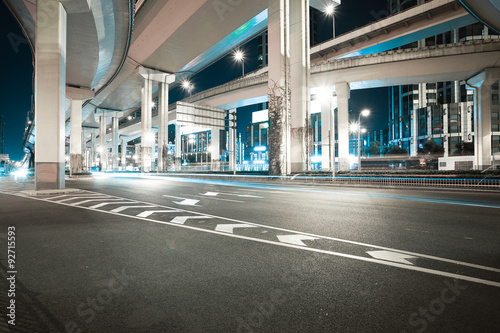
pixel 85 197
pixel 122 208
pixel 219 199
pixel 187 202
pixel 148 213
pixel 180 220
pixel 295 239
pixel 226 227
pixel 392 256
pixel 110 203
pixel 183 219
pixel 90 200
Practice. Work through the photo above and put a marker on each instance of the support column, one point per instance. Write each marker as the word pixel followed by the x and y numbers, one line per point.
pixel 327 132
pixel 215 148
pixel 124 152
pixel 300 73
pixel 279 86
pixel 103 149
pixel 163 127
pixel 343 94
pixel 482 114
pixel 50 95
pixel 76 137
pixel 178 146
pixel 146 128
pixel 114 138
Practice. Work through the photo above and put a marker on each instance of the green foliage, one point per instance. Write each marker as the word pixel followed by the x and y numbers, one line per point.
pixel 395 150
pixel 464 148
pixel 373 149
pixel 430 147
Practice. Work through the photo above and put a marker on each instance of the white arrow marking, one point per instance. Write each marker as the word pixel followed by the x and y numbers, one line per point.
pixel 122 208
pixel 111 203
pixel 295 239
pixel 229 227
pixel 391 256
pixel 211 194
pixel 183 219
pixel 151 212
pixel 187 202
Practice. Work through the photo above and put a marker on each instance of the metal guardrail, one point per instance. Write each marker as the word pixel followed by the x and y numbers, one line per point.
pixel 406 181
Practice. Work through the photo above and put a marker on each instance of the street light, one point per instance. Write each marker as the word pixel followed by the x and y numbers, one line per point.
pixel 239 56
pixel 330 11
pixel 364 113
pixel 188 86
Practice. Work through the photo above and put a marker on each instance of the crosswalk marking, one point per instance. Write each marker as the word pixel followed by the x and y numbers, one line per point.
pixel 122 208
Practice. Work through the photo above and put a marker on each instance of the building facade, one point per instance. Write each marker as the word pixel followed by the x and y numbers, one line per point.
pixel 438 111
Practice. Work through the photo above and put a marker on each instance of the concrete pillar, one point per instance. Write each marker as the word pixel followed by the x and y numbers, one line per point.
pixel 124 152
pixel 178 146
pixel 482 119
pixel 76 160
pixel 114 138
pixel 162 126
pixel 279 86
pixel 215 144
pixel 343 94
pixel 92 148
pixel 327 130
pixel 146 125
pixel 50 95
pixel 103 148
pixel 300 74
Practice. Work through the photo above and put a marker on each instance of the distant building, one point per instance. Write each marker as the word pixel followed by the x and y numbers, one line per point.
pixel 441 111
pixel 2 136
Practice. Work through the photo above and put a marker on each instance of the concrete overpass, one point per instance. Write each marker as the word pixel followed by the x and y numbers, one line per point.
pixel 172 41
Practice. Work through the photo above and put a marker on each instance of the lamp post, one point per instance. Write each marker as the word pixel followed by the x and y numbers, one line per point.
pixel 330 10
pixel 364 113
pixel 239 56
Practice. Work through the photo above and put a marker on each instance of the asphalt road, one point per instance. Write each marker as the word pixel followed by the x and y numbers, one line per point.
pixel 174 255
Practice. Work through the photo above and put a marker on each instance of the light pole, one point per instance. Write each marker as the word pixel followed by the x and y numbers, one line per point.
pixel 239 56
pixel 330 10
pixel 364 113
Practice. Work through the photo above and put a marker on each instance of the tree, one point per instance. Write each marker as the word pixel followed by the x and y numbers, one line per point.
pixel 464 148
pixel 396 150
pixel 430 147
pixel 373 149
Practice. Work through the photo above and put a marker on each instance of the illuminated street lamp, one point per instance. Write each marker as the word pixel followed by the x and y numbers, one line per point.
pixel 188 86
pixel 239 56
pixel 330 11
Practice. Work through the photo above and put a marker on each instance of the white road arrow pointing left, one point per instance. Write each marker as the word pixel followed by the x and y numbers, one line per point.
pixel 295 239
pixel 229 227
pixel 391 256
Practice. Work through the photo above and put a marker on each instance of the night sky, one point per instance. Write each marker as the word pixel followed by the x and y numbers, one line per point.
pixel 17 71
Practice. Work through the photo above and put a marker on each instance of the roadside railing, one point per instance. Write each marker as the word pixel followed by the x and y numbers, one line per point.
pixel 406 181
